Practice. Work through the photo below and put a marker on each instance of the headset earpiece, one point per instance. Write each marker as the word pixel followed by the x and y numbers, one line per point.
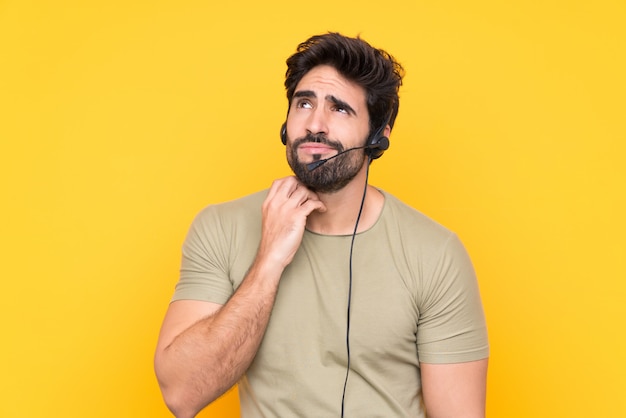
pixel 378 143
pixel 283 133
pixel 376 147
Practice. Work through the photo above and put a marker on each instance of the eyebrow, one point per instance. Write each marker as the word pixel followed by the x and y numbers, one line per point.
pixel 334 100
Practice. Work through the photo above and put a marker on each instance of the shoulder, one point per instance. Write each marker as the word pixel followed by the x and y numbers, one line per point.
pixel 251 202
pixel 247 207
pixel 413 223
pixel 228 220
pixel 427 245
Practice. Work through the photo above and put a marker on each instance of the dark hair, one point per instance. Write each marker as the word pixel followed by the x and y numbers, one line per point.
pixel 373 69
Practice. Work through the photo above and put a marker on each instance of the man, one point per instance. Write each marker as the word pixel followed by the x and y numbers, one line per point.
pixel 324 296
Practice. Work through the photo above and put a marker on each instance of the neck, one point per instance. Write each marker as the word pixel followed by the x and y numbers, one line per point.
pixel 342 209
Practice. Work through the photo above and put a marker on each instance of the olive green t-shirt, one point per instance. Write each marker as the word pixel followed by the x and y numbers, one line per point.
pixel 414 299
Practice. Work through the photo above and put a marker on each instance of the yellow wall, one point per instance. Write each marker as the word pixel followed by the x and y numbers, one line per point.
pixel 120 120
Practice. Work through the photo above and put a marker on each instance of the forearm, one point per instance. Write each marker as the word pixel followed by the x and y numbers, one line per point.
pixel 205 360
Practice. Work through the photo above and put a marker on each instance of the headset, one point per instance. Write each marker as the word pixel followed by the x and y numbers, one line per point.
pixel 374 148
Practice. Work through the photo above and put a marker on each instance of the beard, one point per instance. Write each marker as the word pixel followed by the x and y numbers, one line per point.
pixel 333 175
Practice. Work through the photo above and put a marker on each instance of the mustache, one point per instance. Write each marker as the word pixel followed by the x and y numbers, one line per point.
pixel 319 139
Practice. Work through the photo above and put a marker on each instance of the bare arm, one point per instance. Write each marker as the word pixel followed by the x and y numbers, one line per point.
pixel 204 348
pixel 455 390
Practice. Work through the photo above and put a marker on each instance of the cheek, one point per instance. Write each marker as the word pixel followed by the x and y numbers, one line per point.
pixel 352 130
pixel 289 153
pixel 295 124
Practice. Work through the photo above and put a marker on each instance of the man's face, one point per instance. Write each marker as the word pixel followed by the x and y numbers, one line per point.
pixel 328 114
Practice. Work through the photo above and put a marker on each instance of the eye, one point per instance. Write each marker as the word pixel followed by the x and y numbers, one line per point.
pixel 304 104
pixel 340 109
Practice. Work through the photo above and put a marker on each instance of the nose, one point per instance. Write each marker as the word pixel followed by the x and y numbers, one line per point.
pixel 317 122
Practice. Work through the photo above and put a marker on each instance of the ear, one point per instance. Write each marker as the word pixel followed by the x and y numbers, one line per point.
pixel 387 131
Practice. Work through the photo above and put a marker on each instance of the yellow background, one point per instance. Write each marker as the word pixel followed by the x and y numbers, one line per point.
pixel 120 120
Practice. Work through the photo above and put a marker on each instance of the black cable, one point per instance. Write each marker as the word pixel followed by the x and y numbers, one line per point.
pixel 356 226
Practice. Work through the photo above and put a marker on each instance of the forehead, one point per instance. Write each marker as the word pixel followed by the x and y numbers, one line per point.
pixel 325 80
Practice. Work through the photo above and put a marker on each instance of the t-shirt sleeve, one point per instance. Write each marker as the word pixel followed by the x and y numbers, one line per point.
pixel 451 326
pixel 204 265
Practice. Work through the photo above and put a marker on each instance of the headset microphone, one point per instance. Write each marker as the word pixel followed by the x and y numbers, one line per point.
pixel 374 150
pixel 312 166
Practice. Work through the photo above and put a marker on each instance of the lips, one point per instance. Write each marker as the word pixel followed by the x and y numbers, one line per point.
pixel 316 148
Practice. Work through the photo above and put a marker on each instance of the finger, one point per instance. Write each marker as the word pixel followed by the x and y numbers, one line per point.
pixel 290 189
pixel 312 205
pixel 281 189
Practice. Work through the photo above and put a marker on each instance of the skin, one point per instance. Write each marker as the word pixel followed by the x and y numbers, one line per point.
pixel 325 102
pixel 204 348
